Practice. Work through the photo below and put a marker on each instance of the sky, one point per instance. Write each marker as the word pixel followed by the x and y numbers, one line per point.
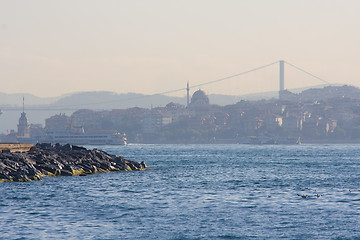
pixel 50 48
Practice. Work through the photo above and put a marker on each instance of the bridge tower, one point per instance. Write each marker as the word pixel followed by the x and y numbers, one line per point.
pixel 187 95
pixel 281 74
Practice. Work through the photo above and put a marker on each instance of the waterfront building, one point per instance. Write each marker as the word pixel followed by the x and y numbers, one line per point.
pixel 58 122
pixel 154 121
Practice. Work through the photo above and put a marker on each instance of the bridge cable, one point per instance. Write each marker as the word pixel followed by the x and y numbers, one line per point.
pixel 302 70
pixel 232 76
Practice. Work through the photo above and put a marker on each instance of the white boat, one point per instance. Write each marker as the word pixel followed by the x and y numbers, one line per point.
pixel 77 136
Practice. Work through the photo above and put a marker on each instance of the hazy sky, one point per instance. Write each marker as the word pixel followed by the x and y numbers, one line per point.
pixel 49 48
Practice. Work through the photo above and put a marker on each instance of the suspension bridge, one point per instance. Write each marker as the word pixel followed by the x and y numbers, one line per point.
pixel 281 75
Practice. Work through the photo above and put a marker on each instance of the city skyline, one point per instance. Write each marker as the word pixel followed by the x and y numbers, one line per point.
pixel 53 48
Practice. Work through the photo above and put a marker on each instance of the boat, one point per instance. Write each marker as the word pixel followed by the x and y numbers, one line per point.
pixel 269 140
pixel 77 136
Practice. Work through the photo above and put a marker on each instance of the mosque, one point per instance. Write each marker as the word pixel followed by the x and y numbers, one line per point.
pixel 199 99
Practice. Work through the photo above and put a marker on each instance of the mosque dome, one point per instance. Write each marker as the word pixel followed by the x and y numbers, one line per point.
pixel 199 98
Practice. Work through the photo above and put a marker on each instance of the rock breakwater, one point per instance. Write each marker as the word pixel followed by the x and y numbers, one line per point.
pixel 60 160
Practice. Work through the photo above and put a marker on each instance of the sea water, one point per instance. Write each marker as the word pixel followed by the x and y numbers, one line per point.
pixel 196 192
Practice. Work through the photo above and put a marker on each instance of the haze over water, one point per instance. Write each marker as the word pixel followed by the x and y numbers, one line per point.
pixel 196 192
pixel 49 48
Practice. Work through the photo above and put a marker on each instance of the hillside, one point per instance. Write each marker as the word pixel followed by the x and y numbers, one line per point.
pixel 15 99
pixel 112 100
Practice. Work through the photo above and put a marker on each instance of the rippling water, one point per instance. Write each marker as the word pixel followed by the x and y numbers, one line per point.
pixel 196 192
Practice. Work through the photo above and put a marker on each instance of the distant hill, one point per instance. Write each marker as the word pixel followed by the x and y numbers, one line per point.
pixel 331 92
pixel 323 94
pixel 111 100
pixel 15 99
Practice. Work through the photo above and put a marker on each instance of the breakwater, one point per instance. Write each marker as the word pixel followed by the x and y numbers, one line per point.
pixel 15 147
pixel 60 160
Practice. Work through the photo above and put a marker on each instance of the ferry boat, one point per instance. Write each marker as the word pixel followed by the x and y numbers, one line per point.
pixel 269 140
pixel 77 136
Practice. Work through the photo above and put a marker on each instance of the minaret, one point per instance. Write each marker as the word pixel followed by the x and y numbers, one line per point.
pixel 187 96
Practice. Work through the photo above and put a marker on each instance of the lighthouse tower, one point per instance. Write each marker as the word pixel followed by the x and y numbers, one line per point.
pixel 23 126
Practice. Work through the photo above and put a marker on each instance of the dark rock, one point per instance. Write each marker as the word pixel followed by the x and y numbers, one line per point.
pixel 78 148
pixel 132 166
pixel 137 165
pixel 105 165
pixel 121 165
pixel 53 169
pixel 45 159
pixel 64 172
pixel 94 169
pixel 68 168
pixel 44 145
pixel 86 167
pixel 5 176
pixel 33 149
pixel 66 147
pixel 143 165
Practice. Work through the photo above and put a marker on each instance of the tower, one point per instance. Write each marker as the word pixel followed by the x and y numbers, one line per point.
pixel 23 126
pixel 281 74
pixel 187 96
